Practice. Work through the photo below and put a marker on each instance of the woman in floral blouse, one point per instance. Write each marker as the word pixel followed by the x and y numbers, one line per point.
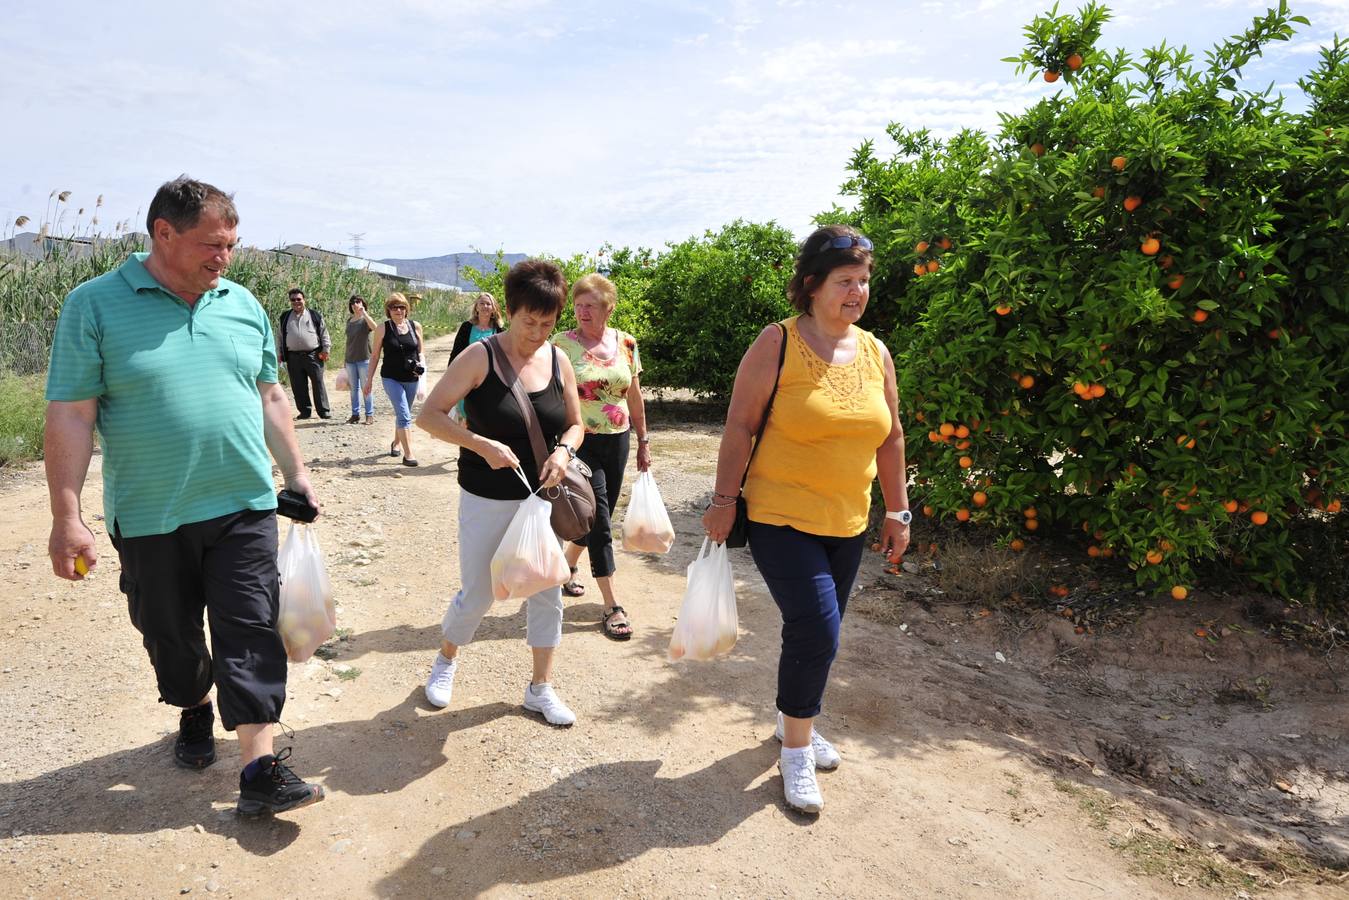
pixel 607 369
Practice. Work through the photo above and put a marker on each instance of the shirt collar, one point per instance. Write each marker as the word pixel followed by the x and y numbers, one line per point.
pixel 139 278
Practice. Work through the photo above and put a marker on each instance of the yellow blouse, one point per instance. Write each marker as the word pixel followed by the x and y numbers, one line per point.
pixel 817 460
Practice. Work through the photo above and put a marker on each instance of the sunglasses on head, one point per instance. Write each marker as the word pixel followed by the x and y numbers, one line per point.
pixel 844 241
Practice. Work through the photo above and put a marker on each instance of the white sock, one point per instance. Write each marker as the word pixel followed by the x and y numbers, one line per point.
pixel 795 752
pixel 535 688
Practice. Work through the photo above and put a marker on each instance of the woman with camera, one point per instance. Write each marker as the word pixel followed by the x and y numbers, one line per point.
pixel 398 342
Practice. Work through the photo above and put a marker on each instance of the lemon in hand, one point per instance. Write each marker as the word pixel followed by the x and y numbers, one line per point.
pixel 81 567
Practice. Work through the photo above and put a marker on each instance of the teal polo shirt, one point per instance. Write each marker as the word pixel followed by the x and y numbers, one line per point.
pixel 179 411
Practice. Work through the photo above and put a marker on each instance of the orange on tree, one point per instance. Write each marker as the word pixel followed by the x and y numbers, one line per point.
pixel 1179 592
pixel 946 429
pixel 1032 524
pixel 1132 202
pixel 1037 148
pixel 1333 506
pixel 1259 517
pixel 1002 309
pixel 963 445
pixel 980 498
pixel 1154 557
pixel 1098 192
pixel 962 431
pixel 928 511
pixel 1097 391
pixel 944 243
pixel 1074 61
pixel 962 515
pixel 1026 381
pixel 932 266
pixel 934 437
pixel 966 462
pixel 1119 162
pixel 920 248
pixel 1051 76
pixel 1093 551
pixel 1150 246
pixel 1199 315
pixel 1031 512
pixel 1230 505
pixel 919 269
pixel 1017 545
pixel 1082 389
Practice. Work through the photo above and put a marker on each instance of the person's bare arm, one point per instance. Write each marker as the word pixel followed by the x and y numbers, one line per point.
pixel 555 466
pixel 754 382
pixel 466 372
pixel 67 446
pixel 890 468
pixel 279 433
pixel 376 348
pixel 637 418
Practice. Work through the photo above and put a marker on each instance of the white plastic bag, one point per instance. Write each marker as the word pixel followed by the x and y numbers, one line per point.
pixel 529 558
pixel 646 524
pixel 343 382
pixel 708 622
pixel 307 617
pixel 421 382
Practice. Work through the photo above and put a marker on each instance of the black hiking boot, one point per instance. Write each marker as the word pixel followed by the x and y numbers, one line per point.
pixel 275 789
pixel 195 747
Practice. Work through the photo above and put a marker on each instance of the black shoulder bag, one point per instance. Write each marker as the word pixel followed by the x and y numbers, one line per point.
pixel 739 534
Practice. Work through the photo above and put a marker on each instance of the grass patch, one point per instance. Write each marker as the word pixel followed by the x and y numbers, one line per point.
pixel 351 673
pixel 22 414
pixel 1097 804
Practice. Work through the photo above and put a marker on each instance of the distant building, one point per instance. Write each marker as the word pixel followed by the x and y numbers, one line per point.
pixel 35 245
pixel 341 259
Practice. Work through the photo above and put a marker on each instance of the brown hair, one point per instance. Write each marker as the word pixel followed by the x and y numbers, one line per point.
pixel 596 284
pixel 536 285
pixel 180 202
pixel 397 299
pixel 815 260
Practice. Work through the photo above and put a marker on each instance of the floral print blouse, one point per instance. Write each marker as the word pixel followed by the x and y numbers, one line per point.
pixel 602 383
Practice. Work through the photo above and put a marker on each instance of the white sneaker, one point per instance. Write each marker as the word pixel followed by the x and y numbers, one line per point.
pixel 440 686
pixel 541 698
pixel 798 780
pixel 826 757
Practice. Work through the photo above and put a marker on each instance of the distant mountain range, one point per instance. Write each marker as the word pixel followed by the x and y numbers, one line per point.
pixel 451 268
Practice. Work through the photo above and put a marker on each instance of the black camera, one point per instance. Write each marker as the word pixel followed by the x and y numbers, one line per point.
pixel 294 505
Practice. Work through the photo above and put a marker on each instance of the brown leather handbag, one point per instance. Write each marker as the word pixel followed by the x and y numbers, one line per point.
pixel 573 499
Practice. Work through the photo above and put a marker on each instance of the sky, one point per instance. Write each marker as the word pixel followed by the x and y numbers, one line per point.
pixel 435 126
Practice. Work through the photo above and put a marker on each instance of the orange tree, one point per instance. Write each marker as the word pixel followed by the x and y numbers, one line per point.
pixel 1128 312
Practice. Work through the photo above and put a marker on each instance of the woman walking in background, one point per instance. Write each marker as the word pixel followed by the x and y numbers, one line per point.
pixel 359 328
pixel 833 427
pixel 484 320
pixel 496 442
pixel 399 342
pixel 607 368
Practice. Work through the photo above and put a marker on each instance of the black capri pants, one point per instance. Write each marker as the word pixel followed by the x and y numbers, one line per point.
pixel 226 567
pixel 607 456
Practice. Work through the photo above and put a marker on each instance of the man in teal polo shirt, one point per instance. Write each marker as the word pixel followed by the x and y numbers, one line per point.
pixel 176 367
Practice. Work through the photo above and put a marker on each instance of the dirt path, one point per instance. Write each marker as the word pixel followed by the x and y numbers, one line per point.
pixel 963 776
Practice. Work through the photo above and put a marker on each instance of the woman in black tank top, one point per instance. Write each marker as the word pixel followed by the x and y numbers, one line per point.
pixel 493 443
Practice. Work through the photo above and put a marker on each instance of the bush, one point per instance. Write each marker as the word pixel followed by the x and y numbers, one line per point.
pixel 707 300
pixel 1127 314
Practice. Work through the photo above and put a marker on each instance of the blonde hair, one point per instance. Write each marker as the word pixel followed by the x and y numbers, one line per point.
pixel 495 318
pixel 397 299
pixel 596 284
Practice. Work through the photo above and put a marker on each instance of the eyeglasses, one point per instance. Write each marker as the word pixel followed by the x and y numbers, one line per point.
pixel 844 241
pixel 397 309
pixel 296 299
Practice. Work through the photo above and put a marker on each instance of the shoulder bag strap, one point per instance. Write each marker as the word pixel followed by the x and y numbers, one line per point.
pixel 782 356
pixel 508 376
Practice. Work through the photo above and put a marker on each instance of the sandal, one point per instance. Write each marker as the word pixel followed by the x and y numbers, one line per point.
pixel 615 630
pixel 573 588
pixel 393 449
pixel 409 461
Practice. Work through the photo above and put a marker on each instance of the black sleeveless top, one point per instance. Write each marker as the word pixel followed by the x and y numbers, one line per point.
pixel 492 412
pixel 398 353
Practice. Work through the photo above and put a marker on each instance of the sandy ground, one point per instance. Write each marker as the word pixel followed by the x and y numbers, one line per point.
pixel 1072 767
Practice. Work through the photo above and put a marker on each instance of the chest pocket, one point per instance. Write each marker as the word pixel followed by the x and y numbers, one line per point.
pixel 247 355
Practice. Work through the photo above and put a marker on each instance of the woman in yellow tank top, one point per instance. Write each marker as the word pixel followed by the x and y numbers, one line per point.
pixel 832 428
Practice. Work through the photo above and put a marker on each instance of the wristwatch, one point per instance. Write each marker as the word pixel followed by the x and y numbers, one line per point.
pixel 903 516
pixel 571 451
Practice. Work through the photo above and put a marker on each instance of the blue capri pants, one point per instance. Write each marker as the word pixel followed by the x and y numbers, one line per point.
pixel 401 394
pixel 810 577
